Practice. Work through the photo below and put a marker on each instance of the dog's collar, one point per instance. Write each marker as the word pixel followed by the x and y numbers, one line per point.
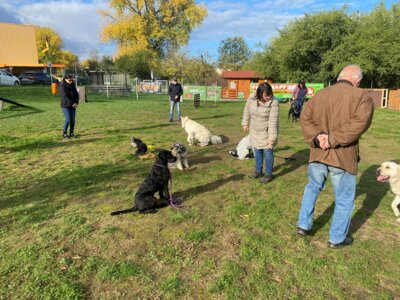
pixel 160 166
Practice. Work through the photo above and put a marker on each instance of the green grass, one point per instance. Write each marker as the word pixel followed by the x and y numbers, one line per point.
pixel 236 241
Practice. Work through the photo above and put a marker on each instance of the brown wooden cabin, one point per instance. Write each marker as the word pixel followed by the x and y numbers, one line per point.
pixel 239 83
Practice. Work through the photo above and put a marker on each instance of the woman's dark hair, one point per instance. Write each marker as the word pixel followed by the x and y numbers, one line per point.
pixel 303 82
pixel 264 87
pixel 69 76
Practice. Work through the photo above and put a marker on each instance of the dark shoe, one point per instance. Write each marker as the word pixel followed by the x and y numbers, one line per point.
pixel 266 179
pixel 72 135
pixel 347 241
pixel 255 175
pixel 302 231
pixel 171 120
pixel 65 136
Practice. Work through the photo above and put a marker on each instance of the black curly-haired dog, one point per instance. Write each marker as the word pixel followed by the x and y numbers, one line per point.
pixel 141 148
pixel 156 181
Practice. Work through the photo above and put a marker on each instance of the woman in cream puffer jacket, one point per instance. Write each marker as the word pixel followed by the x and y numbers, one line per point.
pixel 261 119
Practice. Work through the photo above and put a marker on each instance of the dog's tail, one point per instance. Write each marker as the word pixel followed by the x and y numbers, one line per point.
pixel 124 211
pixel 215 139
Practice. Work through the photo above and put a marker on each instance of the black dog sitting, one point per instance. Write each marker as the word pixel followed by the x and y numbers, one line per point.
pixel 156 181
pixel 141 148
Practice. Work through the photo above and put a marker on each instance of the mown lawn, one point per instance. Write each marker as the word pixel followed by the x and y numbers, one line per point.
pixel 237 240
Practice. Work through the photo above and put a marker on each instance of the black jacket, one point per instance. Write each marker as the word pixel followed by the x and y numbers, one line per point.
pixel 175 90
pixel 69 94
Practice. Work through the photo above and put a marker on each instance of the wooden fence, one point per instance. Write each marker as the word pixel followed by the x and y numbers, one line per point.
pixel 394 99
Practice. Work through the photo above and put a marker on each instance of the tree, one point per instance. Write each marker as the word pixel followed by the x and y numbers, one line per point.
pixel 53 54
pixel 374 45
pixel 106 64
pixel 137 64
pixel 189 69
pixel 233 53
pixel 68 59
pixel 154 25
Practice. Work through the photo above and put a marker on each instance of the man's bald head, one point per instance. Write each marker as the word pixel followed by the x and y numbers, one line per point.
pixel 352 73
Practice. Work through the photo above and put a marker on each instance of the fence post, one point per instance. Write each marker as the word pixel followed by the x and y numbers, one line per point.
pixel 196 100
pixel 1 105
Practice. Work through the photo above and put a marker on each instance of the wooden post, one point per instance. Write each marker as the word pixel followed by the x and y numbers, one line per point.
pixel 1 105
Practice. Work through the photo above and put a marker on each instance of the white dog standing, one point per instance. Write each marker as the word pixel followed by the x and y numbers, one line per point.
pixel 390 172
pixel 198 134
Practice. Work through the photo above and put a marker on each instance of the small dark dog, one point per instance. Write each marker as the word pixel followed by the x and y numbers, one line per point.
pixel 141 148
pixel 180 152
pixel 156 181
pixel 294 111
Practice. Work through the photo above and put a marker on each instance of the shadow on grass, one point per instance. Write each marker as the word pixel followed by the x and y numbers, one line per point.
pixel 374 193
pixel 76 183
pixel 292 162
pixel 208 187
pixel 202 160
pixel 47 144
pixel 18 113
pixel 212 117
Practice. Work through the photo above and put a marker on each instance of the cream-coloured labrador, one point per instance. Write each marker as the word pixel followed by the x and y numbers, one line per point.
pixel 390 172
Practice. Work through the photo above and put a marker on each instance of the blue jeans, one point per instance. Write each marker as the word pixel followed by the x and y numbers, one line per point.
pixel 344 186
pixel 171 110
pixel 69 114
pixel 269 160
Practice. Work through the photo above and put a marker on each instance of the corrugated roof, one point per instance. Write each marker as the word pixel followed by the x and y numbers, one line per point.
pixel 240 75
pixel 18 45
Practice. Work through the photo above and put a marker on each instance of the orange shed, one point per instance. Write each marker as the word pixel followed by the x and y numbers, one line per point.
pixel 239 83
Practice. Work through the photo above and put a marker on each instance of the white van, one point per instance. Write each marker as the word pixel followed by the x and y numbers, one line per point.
pixel 8 78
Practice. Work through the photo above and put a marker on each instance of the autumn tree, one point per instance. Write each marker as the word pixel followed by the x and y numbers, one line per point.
pixel 190 69
pixel 53 54
pixel 154 25
pixel 233 53
pixel 68 59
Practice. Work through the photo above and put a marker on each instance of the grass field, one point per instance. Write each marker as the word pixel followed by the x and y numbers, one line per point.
pixel 237 240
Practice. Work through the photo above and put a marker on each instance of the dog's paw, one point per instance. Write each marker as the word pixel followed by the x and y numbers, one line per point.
pixel 398 220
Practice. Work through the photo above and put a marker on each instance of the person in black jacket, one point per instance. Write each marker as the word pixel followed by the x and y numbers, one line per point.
pixel 175 92
pixel 69 103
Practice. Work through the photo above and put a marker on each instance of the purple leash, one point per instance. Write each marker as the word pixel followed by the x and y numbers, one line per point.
pixel 176 203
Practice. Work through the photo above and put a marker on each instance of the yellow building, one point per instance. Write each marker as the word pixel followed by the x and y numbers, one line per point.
pixel 18 51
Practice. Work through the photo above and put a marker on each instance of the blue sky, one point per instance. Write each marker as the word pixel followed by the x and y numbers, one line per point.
pixel 79 23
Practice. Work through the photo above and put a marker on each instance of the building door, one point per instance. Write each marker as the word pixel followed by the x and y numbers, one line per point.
pixel 244 89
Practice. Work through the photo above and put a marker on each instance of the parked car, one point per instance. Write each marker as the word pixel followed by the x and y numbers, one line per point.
pixel 8 78
pixel 36 78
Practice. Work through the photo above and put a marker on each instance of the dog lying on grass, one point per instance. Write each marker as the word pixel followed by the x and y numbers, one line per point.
pixel 243 149
pixel 390 172
pixel 156 181
pixel 141 148
pixel 198 134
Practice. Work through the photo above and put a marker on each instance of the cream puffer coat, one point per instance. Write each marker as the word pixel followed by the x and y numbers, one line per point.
pixel 263 119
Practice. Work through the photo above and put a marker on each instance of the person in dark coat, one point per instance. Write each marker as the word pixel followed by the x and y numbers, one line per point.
pixel 69 103
pixel 175 92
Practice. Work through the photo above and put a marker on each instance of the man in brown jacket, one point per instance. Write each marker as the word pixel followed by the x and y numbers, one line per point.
pixel 332 124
